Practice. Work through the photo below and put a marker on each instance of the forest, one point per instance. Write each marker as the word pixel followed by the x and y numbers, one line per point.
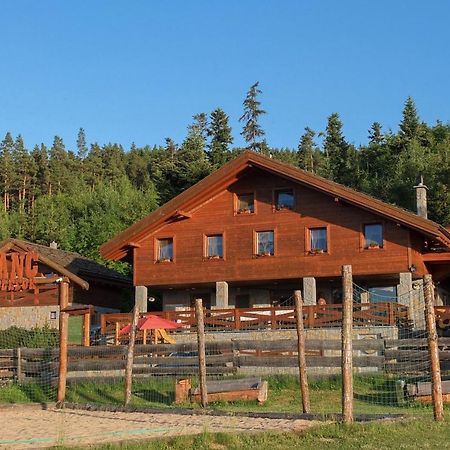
pixel 82 197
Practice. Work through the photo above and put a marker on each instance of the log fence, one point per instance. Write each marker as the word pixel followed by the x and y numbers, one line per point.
pixel 222 357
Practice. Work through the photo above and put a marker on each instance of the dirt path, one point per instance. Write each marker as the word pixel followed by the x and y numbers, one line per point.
pixel 32 427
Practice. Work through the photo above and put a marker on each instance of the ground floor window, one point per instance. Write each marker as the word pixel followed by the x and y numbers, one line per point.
pixel 383 294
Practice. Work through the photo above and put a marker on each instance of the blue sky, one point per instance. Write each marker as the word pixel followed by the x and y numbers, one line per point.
pixel 138 70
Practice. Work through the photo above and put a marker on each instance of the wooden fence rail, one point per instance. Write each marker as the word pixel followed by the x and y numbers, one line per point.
pixel 275 318
pixel 406 356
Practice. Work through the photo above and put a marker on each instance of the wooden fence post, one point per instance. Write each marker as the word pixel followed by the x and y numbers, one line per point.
pixel 433 349
pixel 86 329
pixel 130 355
pixel 301 351
pixel 19 373
pixel 347 345
pixel 201 351
pixel 63 338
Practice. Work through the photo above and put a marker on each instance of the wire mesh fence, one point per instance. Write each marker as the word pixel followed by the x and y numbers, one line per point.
pixel 28 364
pixel 251 359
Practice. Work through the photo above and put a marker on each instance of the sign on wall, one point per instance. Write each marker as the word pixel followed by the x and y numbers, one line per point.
pixel 18 271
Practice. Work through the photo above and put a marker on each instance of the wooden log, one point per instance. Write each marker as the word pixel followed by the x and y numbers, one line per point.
pixel 63 338
pixel 201 352
pixel 311 361
pixel 130 354
pixel 301 351
pixel 433 348
pixel 347 350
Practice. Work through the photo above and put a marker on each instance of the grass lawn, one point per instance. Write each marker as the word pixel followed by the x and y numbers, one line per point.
pixel 373 395
pixel 75 329
pixel 407 434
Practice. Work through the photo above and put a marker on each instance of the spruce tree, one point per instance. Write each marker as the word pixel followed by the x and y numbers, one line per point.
pixel 410 123
pixel 252 131
pixel 220 133
pixel 307 150
pixel 6 170
pixel 81 144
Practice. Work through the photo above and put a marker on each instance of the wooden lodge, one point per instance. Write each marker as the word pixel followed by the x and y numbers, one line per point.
pixel 256 229
pixel 29 283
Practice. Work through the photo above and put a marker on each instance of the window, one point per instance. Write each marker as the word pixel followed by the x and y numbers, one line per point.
pixel 383 294
pixel 318 240
pixel 373 235
pixel 214 246
pixel 165 250
pixel 284 199
pixel 245 203
pixel 265 243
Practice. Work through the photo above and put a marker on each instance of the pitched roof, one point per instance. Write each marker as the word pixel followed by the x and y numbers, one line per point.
pixel 118 247
pixel 75 265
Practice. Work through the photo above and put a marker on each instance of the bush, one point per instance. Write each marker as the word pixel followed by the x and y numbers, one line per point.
pixel 14 337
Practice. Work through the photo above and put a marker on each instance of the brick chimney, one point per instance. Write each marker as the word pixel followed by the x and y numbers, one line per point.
pixel 421 199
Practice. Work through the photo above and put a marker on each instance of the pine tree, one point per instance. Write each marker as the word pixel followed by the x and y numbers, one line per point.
pixel 252 131
pixel 58 165
pixel 81 144
pixel 410 123
pixel 341 157
pixel 6 169
pixel 220 133
pixel 375 134
pixel 306 150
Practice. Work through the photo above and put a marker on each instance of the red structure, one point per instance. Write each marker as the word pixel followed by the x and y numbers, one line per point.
pixel 29 277
pixel 256 229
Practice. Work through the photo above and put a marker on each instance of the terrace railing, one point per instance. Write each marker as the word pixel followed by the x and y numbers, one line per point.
pixel 274 318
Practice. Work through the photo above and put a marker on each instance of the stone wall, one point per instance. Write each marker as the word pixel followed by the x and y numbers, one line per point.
pixel 29 317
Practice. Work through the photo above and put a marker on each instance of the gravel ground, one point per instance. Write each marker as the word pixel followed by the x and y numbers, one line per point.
pixel 33 427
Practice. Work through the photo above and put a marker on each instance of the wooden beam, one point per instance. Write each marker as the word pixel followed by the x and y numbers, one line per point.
pixel 201 351
pixel 63 338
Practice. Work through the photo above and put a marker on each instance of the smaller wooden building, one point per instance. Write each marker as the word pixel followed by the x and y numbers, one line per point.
pixel 29 276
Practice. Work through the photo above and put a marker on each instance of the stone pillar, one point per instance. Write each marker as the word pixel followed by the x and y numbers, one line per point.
pixel 364 300
pixel 309 291
pixel 221 295
pixel 405 296
pixel 140 298
pixel 421 199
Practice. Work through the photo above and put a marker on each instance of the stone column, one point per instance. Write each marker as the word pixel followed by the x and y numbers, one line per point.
pixel 140 298
pixel 221 295
pixel 406 296
pixel 364 300
pixel 309 291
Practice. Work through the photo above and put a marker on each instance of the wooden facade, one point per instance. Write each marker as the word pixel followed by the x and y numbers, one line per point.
pixel 241 204
pixel 29 277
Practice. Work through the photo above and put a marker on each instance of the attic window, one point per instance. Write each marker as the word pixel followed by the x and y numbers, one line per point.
pixel 373 235
pixel 245 203
pixel 284 199
pixel 165 250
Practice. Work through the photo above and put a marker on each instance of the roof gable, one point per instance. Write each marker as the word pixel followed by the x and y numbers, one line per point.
pixel 180 206
pixel 69 264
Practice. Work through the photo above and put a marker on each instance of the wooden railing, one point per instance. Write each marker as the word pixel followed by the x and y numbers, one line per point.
pixel 273 318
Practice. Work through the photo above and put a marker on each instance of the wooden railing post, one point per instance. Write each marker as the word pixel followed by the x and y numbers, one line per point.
pixel 301 349
pixel 237 319
pixel 273 318
pixel 63 338
pixel 201 352
pixel 86 329
pixel 130 355
pixel 433 349
pixel 347 345
pixel 391 315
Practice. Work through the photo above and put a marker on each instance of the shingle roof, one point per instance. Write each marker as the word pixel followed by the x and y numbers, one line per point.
pixel 73 262
pixel 118 247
